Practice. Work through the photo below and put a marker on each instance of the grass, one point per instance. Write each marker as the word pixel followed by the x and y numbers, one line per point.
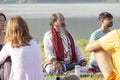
pixel 82 44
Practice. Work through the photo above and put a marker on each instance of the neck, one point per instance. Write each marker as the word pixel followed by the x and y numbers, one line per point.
pixel 105 29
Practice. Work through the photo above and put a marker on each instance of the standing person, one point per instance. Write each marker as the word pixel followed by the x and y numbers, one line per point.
pixel 23 49
pixel 106 21
pixel 60 48
pixel 6 66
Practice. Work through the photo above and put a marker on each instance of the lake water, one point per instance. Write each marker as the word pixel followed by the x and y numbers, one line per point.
pixel 81 28
pixel 81 19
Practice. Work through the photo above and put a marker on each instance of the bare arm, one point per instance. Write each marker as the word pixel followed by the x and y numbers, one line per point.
pixel 93 46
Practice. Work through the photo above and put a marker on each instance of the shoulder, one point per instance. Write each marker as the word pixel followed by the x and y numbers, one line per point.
pixel 114 32
pixel 97 32
pixel 48 34
pixel 111 36
pixel 34 42
pixel 7 45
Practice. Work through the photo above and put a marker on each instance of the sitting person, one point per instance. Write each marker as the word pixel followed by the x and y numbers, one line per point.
pixel 61 52
pixel 106 21
pixel 24 51
pixel 5 68
pixel 107 53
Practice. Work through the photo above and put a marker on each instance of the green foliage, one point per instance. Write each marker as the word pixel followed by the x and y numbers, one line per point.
pixel 42 49
pixel 82 45
pixel 42 45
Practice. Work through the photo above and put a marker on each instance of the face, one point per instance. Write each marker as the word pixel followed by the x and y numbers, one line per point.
pixel 2 22
pixel 60 21
pixel 108 22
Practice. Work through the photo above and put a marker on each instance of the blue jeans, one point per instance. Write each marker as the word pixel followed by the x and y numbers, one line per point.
pixel 67 67
pixel 95 65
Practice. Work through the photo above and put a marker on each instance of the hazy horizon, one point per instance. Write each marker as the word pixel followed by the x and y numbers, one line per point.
pixel 56 1
pixel 68 10
pixel 81 19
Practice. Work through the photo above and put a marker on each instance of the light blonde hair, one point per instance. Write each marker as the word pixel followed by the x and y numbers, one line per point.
pixel 17 32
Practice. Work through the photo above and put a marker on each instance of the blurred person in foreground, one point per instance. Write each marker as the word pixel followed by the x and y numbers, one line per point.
pixel 24 51
pixel 61 52
pixel 106 22
pixel 107 53
pixel 5 67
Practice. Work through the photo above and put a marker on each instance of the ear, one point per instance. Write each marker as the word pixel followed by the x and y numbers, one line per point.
pixel 102 20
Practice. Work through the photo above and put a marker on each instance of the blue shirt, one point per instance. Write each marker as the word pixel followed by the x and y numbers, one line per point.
pixel 95 36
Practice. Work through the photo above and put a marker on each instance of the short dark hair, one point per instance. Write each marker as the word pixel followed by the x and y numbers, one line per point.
pixel 53 18
pixel 3 15
pixel 105 15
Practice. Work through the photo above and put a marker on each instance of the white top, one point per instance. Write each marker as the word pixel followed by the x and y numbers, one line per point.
pixel 26 61
pixel 50 51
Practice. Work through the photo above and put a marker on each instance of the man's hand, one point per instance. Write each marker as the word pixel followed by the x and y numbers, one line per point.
pixel 56 65
pixel 84 63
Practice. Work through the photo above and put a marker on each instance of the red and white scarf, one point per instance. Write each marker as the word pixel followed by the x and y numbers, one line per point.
pixel 57 42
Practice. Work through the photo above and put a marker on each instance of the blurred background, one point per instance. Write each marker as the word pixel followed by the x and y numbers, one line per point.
pixel 58 1
pixel 81 16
